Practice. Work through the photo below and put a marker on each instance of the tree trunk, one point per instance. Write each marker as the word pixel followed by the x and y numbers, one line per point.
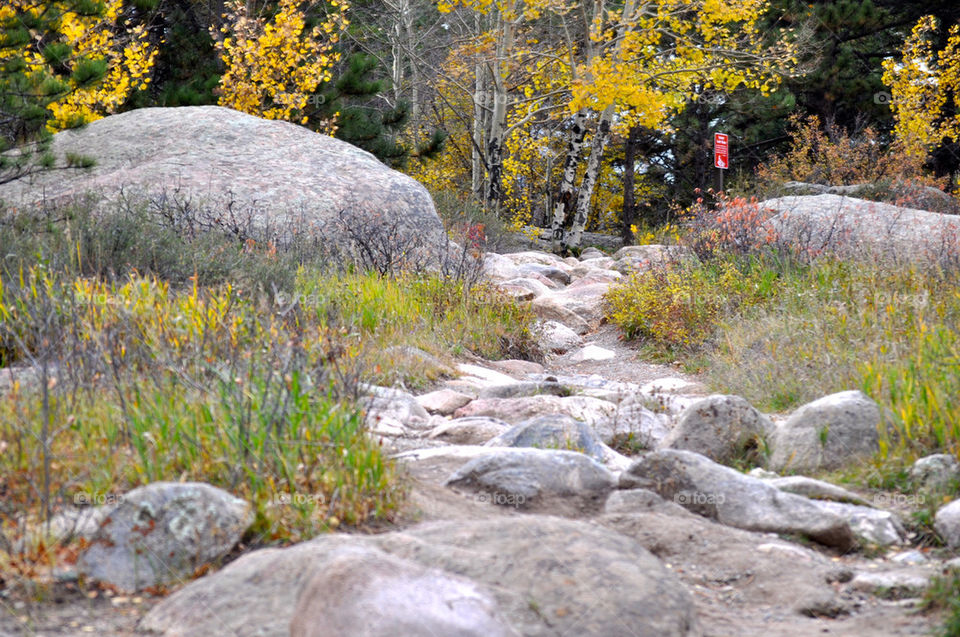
pixel 629 215
pixel 477 161
pixel 498 116
pixel 564 201
pixel 589 182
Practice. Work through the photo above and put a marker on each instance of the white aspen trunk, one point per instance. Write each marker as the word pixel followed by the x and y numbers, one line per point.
pixel 477 160
pixel 589 182
pixel 498 116
pixel 396 54
pixel 597 146
pixel 564 201
pixel 411 43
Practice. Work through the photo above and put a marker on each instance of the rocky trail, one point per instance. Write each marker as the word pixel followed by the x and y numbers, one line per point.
pixel 589 495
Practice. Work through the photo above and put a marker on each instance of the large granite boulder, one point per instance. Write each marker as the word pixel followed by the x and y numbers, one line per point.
pixel 852 227
pixel 548 577
pixel 223 162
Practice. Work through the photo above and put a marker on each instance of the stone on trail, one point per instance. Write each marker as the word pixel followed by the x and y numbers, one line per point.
pixel 732 498
pixel 592 353
pixel 469 431
pixel 368 593
pixel 937 472
pixel 722 428
pixel 161 533
pixel 534 478
pixel 549 576
pixel 553 432
pixel 827 434
pixel 443 401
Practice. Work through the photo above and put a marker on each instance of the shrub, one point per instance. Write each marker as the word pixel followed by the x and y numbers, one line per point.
pixel 731 226
pixel 681 307
pixel 823 154
pixel 114 375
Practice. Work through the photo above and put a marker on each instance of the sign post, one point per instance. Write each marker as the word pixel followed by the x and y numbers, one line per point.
pixel 721 155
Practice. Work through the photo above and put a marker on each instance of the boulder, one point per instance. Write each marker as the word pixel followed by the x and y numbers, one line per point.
pixel 556 337
pixel 556 274
pixel 469 431
pixel 534 478
pixel 364 592
pixel 947 523
pixel 827 434
pixel 938 472
pixel 443 401
pixel 553 432
pixel 593 411
pixel 393 405
pixel 160 534
pixel 549 576
pixel 734 499
pixel 722 428
pixel 854 228
pixel 224 163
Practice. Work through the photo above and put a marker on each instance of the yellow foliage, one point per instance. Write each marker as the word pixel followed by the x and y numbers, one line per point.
pixel 125 48
pixel 275 65
pixel 922 85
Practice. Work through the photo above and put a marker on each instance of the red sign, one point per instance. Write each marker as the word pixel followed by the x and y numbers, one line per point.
pixel 721 151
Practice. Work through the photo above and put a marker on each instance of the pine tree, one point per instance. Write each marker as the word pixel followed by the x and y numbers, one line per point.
pixel 365 120
pixel 27 88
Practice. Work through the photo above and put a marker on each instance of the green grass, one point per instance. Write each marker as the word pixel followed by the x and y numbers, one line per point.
pixel 781 334
pixel 167 355
pixel 944 595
